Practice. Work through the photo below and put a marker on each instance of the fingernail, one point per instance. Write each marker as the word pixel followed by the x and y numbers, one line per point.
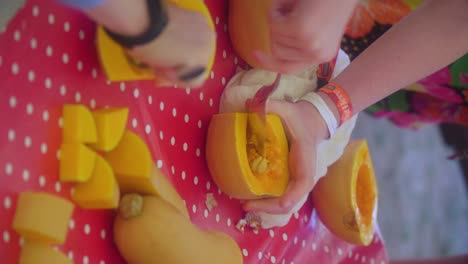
pixel 192 74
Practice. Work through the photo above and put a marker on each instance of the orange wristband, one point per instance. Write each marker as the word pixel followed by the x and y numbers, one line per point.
pixel 341 100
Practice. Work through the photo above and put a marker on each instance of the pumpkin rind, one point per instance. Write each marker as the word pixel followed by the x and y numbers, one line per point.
pixel 249 29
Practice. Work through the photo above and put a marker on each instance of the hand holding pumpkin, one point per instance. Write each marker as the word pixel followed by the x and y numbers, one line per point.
pixel 183 50
pixel 305 128
pixel 304 33
pixel 182 53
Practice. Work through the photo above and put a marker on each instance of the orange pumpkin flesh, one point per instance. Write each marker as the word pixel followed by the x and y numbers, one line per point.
pixel 366 198
pixel 346 198
pixel 232 149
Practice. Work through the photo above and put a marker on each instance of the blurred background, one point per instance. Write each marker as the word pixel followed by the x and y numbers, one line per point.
pixel 423 201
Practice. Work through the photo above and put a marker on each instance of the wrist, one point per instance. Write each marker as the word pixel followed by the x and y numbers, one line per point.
pixel 340 101
pixel 313 120
pixel 156 22
pixel 127 18
pixel 133 27
pixel 331 105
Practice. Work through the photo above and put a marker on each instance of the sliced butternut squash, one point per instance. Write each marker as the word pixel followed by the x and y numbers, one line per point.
pixel 235 162
pixel 110 126
pixel 78 124
pixel 76 162
pixel 41 253
pixel 346 197
pixel 132 162
pixel 136 172
pixel 148 229
pixel 42 217
pixel 101 191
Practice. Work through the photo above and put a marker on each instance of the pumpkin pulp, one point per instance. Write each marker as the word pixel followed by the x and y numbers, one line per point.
pixel 267 167
pixel 234 161
pixel 366 197
pixel 346 198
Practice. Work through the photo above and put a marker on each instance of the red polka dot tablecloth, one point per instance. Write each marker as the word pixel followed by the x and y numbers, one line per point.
pixel 47 59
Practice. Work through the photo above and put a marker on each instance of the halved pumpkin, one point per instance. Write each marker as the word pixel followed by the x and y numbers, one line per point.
pixel 235 163
pixel 249 28
pixel 346 198
pixel 119 67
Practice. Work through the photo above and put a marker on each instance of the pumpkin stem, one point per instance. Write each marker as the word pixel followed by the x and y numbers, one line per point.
pixel 131 205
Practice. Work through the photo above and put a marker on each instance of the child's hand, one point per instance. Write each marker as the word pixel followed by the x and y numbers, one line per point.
pixel 304 33
pixel 305 128
pixel 182 52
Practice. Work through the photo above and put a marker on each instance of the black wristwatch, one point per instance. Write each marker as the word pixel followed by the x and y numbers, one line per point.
pixel 158 21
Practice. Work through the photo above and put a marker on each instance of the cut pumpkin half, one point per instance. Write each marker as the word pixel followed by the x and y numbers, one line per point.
pixel 235 162
pixel 346 198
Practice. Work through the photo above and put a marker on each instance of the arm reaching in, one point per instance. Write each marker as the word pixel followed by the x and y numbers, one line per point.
pixel 426 40
pixel 179 54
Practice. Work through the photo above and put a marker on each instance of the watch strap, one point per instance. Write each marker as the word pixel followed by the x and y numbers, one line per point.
pixel 158 21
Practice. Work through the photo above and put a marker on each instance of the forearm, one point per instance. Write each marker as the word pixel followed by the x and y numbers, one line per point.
pixel 125 17
pixel 425 41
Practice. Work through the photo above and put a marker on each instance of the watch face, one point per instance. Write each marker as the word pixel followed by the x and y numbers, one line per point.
pixel 157 24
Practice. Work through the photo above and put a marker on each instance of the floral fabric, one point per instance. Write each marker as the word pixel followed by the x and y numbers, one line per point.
pixel 440 97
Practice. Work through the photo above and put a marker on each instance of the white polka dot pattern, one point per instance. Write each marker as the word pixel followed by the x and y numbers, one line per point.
pixel 71 225
pixel 6 237
pixel 8 169
pixel 31 76
pixel 11 135
pixel 42 181
pixel 25 175
pixel 58 187
pixel 51 60
pixel 7 202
